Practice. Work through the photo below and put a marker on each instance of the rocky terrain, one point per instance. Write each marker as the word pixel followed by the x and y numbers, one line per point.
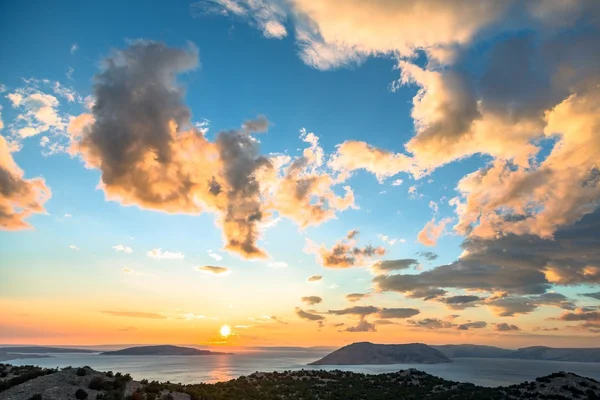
pixel 363 353
pixel 34 383
pixel 164 350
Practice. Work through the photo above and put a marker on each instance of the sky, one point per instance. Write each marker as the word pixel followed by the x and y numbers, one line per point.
pixel 305 173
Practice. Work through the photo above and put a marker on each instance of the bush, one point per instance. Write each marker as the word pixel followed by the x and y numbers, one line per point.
pixel 81 372
pixel 97 383
pixel 36 396
pixel 81 394
pixel 109 374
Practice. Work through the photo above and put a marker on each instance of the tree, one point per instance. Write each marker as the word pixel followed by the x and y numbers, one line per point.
pixel 81 394
pixel 81 372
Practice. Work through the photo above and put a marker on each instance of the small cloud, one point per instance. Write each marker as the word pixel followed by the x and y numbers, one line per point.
pixel 383 192
pixel 314 278
pixel 504 327
pixel 134 314
pixel 308 316
pixel 165 255
pixel 74 48
pixel 333 286
pixel 69 73
pixel 213 270
pixel 214 256
pixel 363 326
pixel 73 247
pixel 397 182
pixel 190 316
pixel 124 249
pixel 127 329
pixel 356 296
pixel 428 255
pixel 472 325
pixel 278 264
pixel 386 239
pixel 67 215
pixel 312 300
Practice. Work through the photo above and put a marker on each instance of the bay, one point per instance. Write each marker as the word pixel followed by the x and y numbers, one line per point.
pixel 218 368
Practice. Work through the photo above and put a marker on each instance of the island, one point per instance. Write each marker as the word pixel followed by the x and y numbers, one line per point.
pixel 30 382
pixel 162 350
pixel 43 349
pixel 591 355
pixel 363 353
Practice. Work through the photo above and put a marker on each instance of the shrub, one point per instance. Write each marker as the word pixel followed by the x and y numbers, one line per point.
pixel 36 396
pixel 97 383
pixel 81 372
pixel 81 394
pixel 109 374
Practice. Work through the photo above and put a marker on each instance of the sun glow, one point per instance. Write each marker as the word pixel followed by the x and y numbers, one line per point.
pixel 225 330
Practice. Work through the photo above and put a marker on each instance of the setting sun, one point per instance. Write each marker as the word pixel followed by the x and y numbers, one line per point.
pixel 225 330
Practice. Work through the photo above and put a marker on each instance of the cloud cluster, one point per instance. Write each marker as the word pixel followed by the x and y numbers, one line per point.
pixel 344 253
pixel 19 197
pixel 140 136
pixel 311 300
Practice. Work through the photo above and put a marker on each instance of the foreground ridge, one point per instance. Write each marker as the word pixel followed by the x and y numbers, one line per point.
pixel 35 383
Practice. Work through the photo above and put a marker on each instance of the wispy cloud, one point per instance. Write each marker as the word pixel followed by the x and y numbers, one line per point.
pixel 123 248
pixel 165 255
pixel 213 270
pixel 134 314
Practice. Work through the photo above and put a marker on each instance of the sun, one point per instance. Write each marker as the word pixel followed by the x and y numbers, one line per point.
pixel 225 330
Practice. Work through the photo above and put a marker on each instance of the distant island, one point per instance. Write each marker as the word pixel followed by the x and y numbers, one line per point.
pixel 163 350
pixel 526 353
pixel 363 353
pixel 29 382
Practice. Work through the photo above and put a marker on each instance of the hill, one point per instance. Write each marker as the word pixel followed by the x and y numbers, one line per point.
pixel 527 353
pixel 472 350
pixel 28 382
pixel 165 350
pixel 369 353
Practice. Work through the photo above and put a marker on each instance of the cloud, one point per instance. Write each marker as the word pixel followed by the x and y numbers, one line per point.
pixel 362 326
pixel 352 155
pixel 461 302
pixel 472 325
pixel 38 112
pixel 134 314
pixel 165 255
pixel 123 248
pixel 74 48
pixel 397 182
pixel 309 316
pixel 428 255
pixel 594 295
pixel 312 300
pixel 506 306
pixel 20 198
pixel 432 323
pixel 344 253
pixel 386 313
pixel 258 125
pixel 266 15
pixel 215 256
pixel 580 315
pixel 73 247
pixel 161 161
pixel 431 232
pixel 385 266
pixel 213 270
pixel 382 313
pixel 387 239
pixel 356 296
pixel 504 327
pixel 278 264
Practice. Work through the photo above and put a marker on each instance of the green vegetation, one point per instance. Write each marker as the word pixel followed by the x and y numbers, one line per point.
pixel 15 375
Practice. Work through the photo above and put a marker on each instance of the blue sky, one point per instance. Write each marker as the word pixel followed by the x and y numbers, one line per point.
pixel 243 74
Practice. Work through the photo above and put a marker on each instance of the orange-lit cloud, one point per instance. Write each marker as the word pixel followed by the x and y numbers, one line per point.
pixel 19 197
pixel 344 253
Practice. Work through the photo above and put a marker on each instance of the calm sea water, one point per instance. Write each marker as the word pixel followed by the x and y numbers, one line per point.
pixel 196 369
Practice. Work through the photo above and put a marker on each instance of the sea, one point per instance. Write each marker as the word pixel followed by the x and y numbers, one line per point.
pixel 219 368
